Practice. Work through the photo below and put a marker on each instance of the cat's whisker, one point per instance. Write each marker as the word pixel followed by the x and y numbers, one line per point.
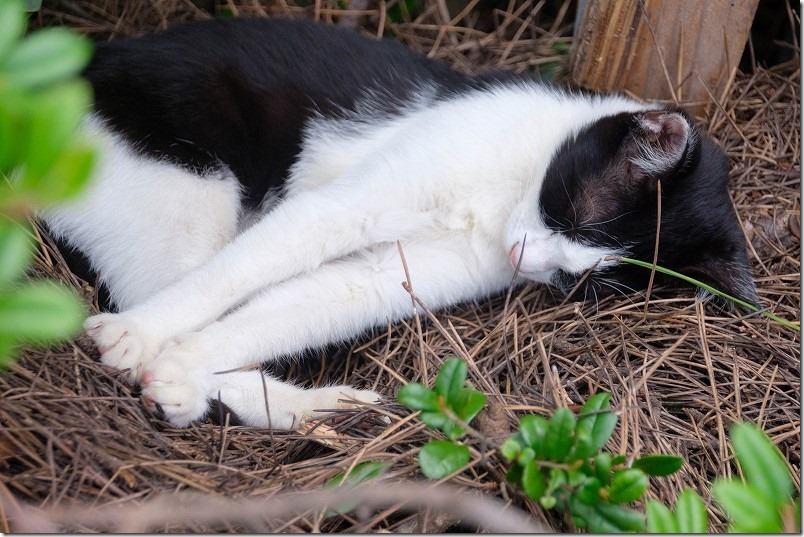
pixel 620 288
pixel 592 224
pixel 594 292
pixel 608 235
pixel 572 204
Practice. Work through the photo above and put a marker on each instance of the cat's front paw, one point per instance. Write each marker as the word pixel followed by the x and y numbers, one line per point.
pixel 122 342
pixel 175 384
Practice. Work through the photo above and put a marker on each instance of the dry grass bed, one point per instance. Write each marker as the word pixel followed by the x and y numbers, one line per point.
pixel 680 371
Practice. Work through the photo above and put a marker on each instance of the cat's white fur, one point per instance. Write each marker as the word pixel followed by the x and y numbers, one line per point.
pixel 456 182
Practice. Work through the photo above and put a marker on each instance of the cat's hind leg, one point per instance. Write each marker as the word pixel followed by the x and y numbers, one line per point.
pixel 259 400
pixel 144 223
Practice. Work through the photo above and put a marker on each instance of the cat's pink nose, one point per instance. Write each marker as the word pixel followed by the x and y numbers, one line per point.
pixel 515 253
pixel 535 257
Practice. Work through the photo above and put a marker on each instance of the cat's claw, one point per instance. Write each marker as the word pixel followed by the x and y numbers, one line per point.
pixel 121 343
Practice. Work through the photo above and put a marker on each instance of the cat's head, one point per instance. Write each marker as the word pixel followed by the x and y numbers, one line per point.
pixel 600 200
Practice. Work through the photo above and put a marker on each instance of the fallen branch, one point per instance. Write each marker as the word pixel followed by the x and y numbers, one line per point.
pixel 195 508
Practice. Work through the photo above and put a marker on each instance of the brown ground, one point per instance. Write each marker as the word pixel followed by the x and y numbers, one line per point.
pixel 680 371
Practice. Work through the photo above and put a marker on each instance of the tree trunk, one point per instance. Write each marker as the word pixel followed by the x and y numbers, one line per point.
pixel 679 51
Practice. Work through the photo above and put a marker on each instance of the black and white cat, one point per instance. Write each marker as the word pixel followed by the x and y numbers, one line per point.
pixel 257 175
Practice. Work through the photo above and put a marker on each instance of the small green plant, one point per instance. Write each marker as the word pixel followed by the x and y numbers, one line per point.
pixel 559 462
pixel 42 101
pixel 449 406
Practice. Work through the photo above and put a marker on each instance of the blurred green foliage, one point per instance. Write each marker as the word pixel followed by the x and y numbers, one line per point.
pixel 42 161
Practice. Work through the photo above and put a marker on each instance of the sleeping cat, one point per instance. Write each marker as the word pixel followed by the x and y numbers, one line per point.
pixel 260 181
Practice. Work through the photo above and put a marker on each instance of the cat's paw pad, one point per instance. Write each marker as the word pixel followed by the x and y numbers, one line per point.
pixel 176 385
pixel 121 343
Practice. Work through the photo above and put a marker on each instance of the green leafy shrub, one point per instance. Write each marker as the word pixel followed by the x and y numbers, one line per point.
pixel 42 101
pixel 559 462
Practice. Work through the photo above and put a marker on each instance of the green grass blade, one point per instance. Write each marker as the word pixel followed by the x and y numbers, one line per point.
pixel 711 289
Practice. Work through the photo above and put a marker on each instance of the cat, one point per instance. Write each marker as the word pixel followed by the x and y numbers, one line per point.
pixel 261 180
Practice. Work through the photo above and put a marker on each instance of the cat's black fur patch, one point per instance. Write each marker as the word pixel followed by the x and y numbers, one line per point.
pixel 245 107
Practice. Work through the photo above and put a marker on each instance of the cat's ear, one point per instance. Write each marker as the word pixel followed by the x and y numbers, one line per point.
pixel 729 275
pixel 660 140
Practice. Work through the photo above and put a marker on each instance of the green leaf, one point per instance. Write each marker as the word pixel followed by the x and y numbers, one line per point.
pixel 748 508
pixel 525 456
pixel 548 502
pixel 582 447
pixel 434 419
pixel 452 429
pixel 762 463
pixel 451 378
pixel 68 176
pixel 53 118
pixel 533 429
pixel 472 402
pixel 533 482
pixel 365 471
pixel 510 449
pixel 659 465
pixel 628 485
pixel 560 434
pixel 40 312
pixel 577 477
pixel 417 396
pixel 603 467
pixel 596 418
pixel 16 250
pixel 618 460
pixel 12 26
pixel 620 517
pixel 589 492
pixel 660 518
pixel 595 403
pixel 361 473
pixel 691 513
pixel 514 474
pixel 47 56
pixel 440 458
pixel 13 132
pixel 558 478
pixel 607 518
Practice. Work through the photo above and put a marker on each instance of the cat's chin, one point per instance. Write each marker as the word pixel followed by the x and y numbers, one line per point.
pixel 566 283
pixel 543 277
